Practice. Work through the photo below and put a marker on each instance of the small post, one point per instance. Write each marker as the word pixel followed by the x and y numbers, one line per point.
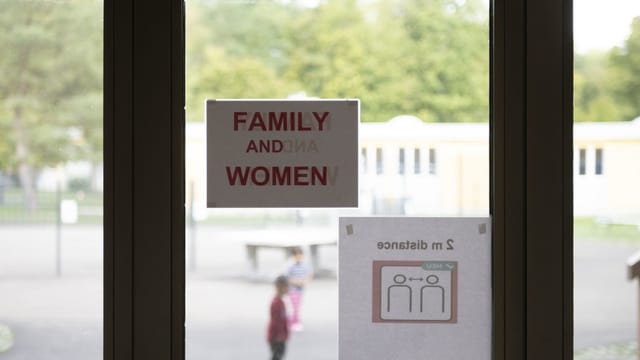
pixel 192 229
pixel 299 218
pixel 58 250
pixel 1 188
pixel 315 262
pixel 252 255
pixel 633 272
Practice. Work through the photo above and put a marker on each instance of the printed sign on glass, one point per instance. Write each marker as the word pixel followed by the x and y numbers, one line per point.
pixel 415 288
pixel 282 153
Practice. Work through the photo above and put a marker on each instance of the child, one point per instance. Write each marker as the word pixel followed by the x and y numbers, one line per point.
pixel 299 275
pixel 278 329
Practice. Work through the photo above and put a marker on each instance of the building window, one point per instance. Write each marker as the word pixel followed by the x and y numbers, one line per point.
pixel 401 161
pixel 363 155
pixel 582 165
pixel 432 161
pixel 416 161
pixel 599 162
pixel 379 163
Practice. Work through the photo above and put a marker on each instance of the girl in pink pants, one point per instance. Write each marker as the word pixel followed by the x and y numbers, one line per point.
pixel 299 273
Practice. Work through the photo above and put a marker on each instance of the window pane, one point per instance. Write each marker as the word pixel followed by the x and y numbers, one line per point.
pixel 598 161
pixel 379 162
pixel 606 174
pixel 421 72
pixel 432 161
pixel 363 159
pixel 51 179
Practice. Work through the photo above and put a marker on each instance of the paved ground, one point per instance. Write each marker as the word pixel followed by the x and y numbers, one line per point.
pixel 60 318
pixel 605 303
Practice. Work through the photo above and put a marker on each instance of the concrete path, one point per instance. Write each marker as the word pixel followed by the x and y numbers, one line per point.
pixel 605 303
pixel 60 318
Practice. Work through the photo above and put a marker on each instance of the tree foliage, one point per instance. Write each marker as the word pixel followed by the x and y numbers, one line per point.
pixel 594 97
pixel 607 83
pixel 426 58
pixel 236 51
pixel 625 61
pixel 51 85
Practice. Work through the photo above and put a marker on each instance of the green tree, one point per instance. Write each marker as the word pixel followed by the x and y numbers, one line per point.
pixel 625 62
pixel 236 50
pixel 330 55
pixel 450 58
pixel 594 97
pixel 243 29
pixel 426 58
pixel 50 91
pixel 225 77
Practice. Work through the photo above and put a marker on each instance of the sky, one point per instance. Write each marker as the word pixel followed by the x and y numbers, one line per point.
pixel 602 24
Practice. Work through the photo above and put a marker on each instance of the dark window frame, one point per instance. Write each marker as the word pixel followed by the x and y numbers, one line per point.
pixel 532 178
pixel 144 180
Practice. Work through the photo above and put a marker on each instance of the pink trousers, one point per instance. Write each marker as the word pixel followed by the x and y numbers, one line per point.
pixel 296 301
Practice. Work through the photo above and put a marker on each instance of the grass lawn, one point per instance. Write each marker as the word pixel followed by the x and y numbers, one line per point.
pixel 12 209
pixel 589 229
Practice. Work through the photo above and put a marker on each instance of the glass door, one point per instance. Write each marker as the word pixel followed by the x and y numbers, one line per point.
pixel 421 72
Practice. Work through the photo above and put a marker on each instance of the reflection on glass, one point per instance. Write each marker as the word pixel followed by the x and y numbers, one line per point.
pixel 606 178
pixel 421 72
pixel 51 179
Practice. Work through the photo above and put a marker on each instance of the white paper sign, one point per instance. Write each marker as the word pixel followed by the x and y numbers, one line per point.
pixel 282 153
pixel 69 211
pixel 415 288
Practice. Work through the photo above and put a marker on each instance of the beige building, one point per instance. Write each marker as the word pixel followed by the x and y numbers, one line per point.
pixel 607 170
pixel 412 167
pixel 415 168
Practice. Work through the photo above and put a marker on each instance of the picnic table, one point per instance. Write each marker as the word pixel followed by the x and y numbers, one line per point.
pixel 289 238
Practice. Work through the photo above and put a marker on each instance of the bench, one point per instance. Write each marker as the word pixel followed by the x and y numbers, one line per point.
pixel 289 238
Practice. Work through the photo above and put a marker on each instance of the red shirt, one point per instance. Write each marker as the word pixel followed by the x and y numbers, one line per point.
pixel 278 329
